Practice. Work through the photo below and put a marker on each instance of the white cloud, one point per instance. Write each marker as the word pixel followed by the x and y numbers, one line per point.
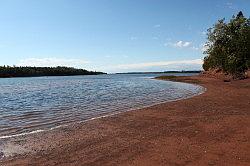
pixel 51 62
pixel 180 44
pixel 204 47
pixel 186 44
pixel 158 64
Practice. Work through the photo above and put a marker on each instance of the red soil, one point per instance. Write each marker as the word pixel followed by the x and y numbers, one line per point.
pixel 209 129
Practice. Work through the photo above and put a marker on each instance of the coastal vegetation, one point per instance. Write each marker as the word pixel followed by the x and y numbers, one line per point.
pixel 178 79
pixel 9 71
pixel 228 46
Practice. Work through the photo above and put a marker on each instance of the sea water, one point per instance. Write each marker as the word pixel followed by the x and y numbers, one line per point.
pixel 40 103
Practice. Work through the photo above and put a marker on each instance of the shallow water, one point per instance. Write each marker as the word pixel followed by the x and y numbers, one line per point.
pixel 40 103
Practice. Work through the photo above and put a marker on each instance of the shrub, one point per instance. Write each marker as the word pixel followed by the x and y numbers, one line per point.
pixel 229 46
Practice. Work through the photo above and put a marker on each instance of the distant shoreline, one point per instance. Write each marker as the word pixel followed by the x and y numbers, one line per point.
pixel 53 76
pixel 11 72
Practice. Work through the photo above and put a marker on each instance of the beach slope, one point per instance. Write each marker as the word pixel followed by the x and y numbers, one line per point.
pixel 209 129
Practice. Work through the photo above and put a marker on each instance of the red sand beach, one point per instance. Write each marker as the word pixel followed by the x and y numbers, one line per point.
pixel 209 129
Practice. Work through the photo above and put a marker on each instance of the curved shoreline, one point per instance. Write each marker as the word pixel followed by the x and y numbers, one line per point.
pixel 209 129
pixel 102 116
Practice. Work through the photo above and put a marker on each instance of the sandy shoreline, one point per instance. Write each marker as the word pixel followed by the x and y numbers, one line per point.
pixel 210 129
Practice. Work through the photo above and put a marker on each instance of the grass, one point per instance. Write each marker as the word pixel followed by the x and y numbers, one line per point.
pixel 178 79
pixel 166 77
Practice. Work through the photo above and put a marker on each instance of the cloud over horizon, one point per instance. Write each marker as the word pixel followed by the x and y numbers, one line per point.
pixel 194 64
pixel 51 62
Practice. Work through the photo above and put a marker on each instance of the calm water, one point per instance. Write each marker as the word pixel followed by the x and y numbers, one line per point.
pixel 30 104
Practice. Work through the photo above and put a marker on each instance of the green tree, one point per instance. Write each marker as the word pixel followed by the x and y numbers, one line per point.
pixel 8 71
pixel 229 46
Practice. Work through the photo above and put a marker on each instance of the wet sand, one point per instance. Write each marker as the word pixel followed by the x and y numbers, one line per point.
pixel 209 129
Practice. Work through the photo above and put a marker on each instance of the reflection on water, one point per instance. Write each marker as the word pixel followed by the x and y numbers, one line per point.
pixel 29 104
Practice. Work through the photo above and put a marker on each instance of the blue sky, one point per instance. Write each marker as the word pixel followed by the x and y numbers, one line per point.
pixel 110 35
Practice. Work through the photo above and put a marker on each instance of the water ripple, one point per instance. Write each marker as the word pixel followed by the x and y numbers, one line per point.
pixel 29 104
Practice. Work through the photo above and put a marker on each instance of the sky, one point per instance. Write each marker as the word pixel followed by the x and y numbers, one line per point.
pixel 110 35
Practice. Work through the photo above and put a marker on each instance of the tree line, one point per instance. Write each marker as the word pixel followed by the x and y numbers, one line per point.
pixel 13 71
pixel 228 46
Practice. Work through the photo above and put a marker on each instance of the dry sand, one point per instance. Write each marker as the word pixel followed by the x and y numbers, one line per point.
pixel 209 129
